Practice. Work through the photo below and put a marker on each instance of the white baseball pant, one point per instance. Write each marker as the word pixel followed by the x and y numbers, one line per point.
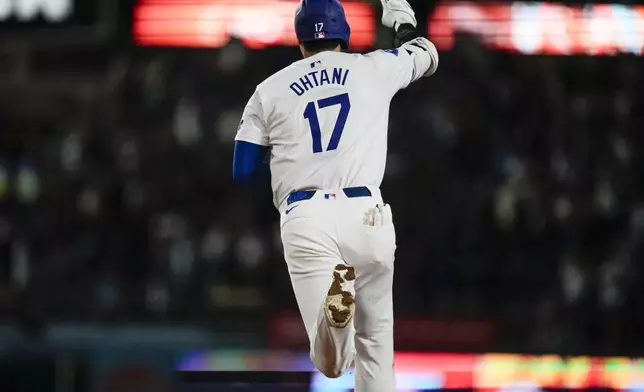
pixel 318 234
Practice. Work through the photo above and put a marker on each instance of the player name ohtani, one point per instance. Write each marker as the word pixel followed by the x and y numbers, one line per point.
pixel 319 78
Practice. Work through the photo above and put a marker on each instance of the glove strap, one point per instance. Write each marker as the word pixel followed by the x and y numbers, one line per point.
pixel 405 33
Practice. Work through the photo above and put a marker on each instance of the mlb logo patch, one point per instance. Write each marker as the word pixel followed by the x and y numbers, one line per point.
pixel 329 196
pixel 320 35
pixel 316 63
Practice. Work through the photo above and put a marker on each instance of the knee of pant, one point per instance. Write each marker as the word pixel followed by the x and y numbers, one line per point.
pixel 382 261
pixel 328 369
pixel 384 265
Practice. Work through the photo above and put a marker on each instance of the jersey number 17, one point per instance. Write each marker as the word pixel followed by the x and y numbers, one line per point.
pixel 311 114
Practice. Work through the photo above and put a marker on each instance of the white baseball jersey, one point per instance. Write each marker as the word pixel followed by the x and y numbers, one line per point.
pixel 325 118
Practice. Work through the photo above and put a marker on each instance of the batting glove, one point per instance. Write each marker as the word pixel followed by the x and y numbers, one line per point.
pixel 380 215
pixel 396 13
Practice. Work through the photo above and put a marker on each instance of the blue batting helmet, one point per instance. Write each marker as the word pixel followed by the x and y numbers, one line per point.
pixel 317 20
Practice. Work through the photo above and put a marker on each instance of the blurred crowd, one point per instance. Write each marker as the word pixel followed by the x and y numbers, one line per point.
pixel 516 184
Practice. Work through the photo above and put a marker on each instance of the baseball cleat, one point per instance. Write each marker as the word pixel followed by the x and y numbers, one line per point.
pixel 340 304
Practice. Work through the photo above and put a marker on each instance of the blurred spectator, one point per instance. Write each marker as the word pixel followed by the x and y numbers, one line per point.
pixel 515 182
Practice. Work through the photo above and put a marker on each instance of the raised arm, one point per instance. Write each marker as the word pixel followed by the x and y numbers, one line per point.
pixel 414 56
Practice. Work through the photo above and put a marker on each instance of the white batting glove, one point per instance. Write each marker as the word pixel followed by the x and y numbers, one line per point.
pixel 396 13
pixel 380 215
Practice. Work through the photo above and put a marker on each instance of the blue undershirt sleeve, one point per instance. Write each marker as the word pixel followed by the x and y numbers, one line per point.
pixel 249 163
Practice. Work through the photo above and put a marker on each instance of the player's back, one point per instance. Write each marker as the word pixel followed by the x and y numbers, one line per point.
pixel 326 118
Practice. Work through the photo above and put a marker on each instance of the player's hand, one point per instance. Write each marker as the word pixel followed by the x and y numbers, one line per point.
pixel 396 13
pixel 380 215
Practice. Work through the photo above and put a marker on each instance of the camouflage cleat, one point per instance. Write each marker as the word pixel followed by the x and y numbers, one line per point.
pixel 339 305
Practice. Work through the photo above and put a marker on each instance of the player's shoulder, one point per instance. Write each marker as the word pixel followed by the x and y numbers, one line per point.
pixel 275 78
pixel 383 54
pixel 383 60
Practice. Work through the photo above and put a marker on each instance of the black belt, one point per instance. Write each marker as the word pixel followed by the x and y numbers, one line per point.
pixel 358 191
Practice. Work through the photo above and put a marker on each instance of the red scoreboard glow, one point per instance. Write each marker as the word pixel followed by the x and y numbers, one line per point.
pixel 212 23
pixel 542 28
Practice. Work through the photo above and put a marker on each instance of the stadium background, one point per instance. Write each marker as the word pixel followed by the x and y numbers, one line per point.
pixel 127 252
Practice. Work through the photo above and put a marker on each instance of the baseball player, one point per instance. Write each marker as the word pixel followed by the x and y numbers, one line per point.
pixel 323 123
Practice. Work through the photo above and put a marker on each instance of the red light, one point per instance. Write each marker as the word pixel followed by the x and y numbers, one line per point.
pixel 211 23
pixel 542 28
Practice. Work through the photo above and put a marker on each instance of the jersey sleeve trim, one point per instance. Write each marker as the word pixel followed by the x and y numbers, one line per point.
pixel 262 141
